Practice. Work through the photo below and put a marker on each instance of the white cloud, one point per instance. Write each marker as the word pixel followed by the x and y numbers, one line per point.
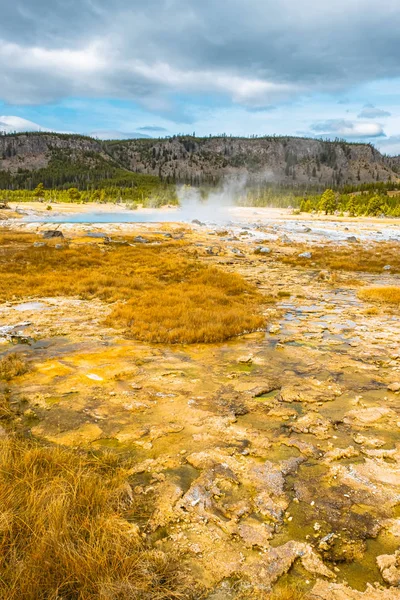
pixel 10 124
pixel 348 129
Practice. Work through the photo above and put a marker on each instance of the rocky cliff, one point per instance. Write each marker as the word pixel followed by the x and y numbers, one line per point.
pixel 284 160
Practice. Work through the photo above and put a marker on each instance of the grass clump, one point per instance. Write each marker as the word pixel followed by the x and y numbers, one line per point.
pixel 210 306
pixel 370 259
pixel 389 294
pixel 63 531
pixel 12 366
pixel 163 295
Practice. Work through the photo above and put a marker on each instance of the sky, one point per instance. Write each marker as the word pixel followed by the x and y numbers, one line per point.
pixel 130 68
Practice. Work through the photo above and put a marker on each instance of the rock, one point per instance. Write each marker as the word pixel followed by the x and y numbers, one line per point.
pixel 245 360
pixel 168 494
pixel 274 329
pixel 213 250
pixel 339 453
pixel 323 590
pixel 264 389
pixel 52 233
pixel 255 533
pixel 365 416
pixel 305 255
pixel 59 246
pixel 285 239
pixel 392 526
pixel 262 250
pixel 139 239
pixel 304 447
pixel 387 268
pixel 368 441
pixel 97 234
pixel 394 387
pixel 237 251
pixel 291 394
pixel 39 244
pixel 312 423
pixel 352 238
pixel 197 222
pixel 389 566
pixel 21 339
pixel 278 561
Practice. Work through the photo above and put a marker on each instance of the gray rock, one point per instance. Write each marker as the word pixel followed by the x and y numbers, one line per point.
pixel 140 240
pixel 97 234
pixel 262 250
pixel 352 238
pixel 387 268
pixel 285 239
pixel 305 255
pixel 39 244
pixel 52 233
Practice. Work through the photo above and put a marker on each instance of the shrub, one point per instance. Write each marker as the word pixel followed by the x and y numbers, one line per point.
pixel 12 366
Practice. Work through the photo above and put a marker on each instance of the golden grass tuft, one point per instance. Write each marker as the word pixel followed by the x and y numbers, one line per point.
pixel 389 294
pixel 63 533
pixel 164 295
pixel 209 307
pixel 369 259
pixel 12 366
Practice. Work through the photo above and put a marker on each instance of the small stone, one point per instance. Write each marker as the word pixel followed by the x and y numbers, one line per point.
pixel 274 329
pixel 245 360
pixel 394 387
pixel 387 268
pixel 305 255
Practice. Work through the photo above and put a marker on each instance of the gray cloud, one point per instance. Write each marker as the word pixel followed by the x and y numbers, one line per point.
pixel 254 52
pixel 111 134
pixel 153 129
pixel 371 112
pixel 348 129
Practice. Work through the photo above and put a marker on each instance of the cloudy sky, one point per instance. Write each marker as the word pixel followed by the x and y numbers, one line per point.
pixel 118 68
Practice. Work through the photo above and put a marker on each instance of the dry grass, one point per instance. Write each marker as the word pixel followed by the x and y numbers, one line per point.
pixel 209 307
pixel 12 366
pixel 386 294
pixel 63 534
pixel 347 258
pixel 164 295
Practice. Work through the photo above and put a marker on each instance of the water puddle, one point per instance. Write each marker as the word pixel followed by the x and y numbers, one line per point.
pixel 30 306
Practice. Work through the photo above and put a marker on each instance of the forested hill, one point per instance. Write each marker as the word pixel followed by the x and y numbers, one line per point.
pixel 60 161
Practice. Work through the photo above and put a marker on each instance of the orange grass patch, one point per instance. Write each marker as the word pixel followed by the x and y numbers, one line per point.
pixel 163 295
pixel 387 294
pixel 349 258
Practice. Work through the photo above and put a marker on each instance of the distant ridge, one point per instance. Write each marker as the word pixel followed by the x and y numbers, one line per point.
pixel 59 160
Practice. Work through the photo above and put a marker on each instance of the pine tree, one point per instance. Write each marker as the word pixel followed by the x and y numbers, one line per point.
pixel 328 202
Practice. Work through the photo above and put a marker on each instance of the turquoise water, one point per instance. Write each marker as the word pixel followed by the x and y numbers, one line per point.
pixel 131 216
